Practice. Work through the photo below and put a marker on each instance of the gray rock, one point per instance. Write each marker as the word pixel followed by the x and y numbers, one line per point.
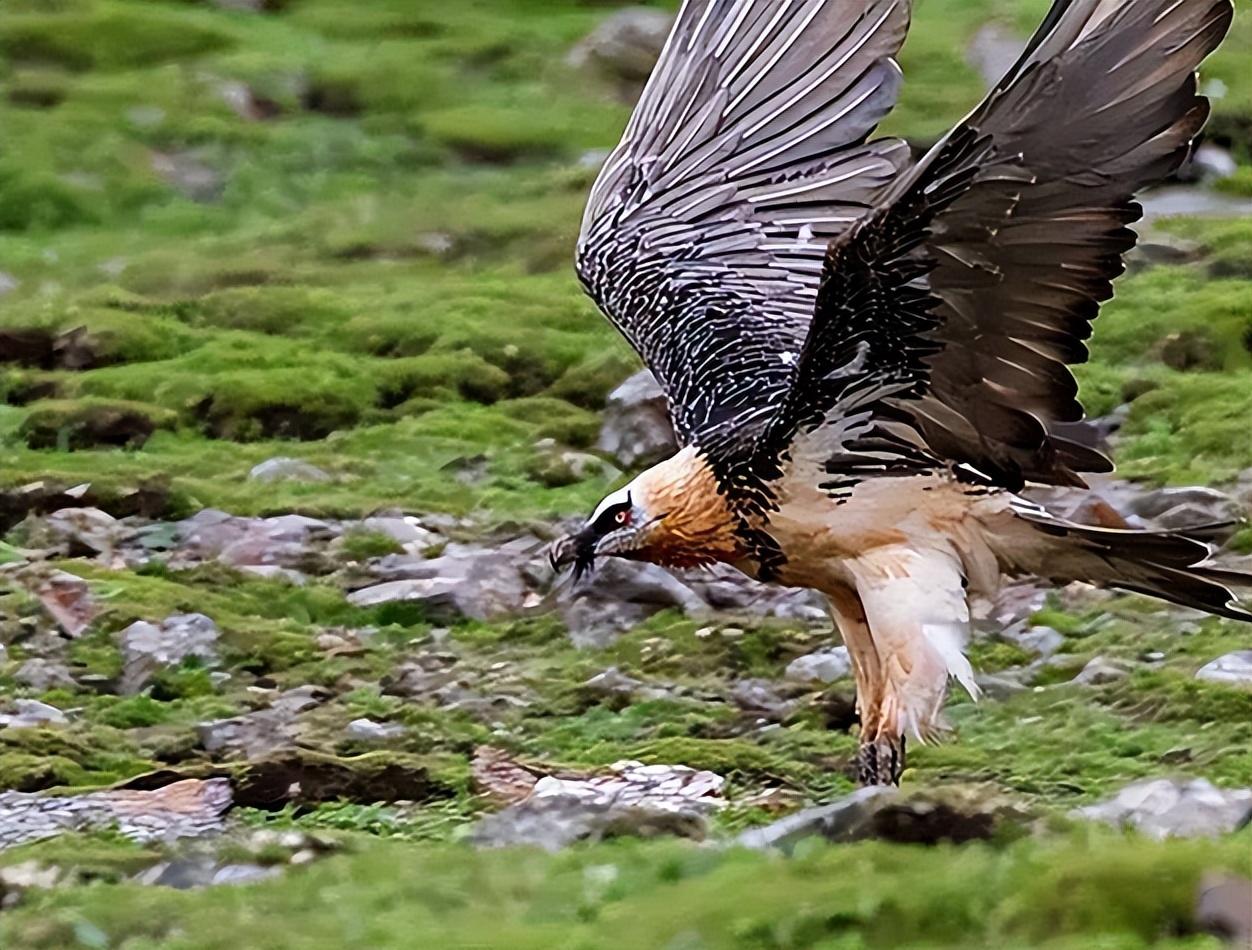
pixel 1043 641
pixel 1161 247
pixel 244 874
pixel 999 685
pixel 42 675
pixel 32 714
pixel 367 730
pixel 993 51
pixel 190 808
pixel 84 530
pixel 1206 504
pixel 823 666
pixel 403 530
pixel 637 429
pixel 594 624
pixel 625 46
pixel 617 596
pixel 1210 162
pixel 849 819
pixel 1185 200
pixel 614 684
pixel 1232 668
pixel 558 821
pixel 954 813
pixel 257 734
pixel 724 588
pixel 1224 908
pixel 1101 671
pixel 1174 808
pixel 635 799
pixel 555 467
pixel 465 581
pixel 148 649
pixel 187 172
pixel 8 283
pixel 282 469
pixel 760 697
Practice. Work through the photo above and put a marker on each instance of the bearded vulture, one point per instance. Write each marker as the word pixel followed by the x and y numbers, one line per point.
pixel 865 356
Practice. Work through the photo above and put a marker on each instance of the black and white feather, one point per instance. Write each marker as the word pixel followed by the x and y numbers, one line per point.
pixel 783 276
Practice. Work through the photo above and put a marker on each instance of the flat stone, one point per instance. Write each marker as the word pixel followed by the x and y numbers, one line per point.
pixel 1232 668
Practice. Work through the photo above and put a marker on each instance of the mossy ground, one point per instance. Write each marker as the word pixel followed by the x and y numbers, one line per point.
pixel 378 282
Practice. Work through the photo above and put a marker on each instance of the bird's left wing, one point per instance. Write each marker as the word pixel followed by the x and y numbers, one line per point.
pixel 705 232
pixel 947 316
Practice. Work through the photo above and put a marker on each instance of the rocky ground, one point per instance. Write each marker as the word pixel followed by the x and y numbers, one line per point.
pixel 296 386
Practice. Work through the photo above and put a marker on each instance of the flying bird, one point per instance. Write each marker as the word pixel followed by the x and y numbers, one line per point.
pixel 865 356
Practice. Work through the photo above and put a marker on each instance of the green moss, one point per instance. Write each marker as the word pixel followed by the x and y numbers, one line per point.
pixel 107 36
pixel 1081 891
pixel 84 423
pixel 361 545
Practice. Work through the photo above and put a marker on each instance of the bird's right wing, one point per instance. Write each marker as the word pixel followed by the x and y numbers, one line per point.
pixel 705 232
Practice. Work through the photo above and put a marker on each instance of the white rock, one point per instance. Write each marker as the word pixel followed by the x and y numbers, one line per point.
pixel 367 730
pixel 284 469
pixel 32 714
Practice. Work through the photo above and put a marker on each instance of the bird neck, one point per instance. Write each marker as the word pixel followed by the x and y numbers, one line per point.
pixel 697 524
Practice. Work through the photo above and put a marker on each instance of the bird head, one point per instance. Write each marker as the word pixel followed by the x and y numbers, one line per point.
pixel 672 514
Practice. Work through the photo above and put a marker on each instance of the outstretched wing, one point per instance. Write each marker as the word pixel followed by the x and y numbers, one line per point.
pixel 705 233
pixel 948 317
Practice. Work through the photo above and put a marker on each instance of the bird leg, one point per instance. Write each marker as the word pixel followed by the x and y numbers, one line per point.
pixel 880 760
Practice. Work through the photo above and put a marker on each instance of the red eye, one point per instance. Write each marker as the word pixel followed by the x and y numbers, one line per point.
pixel 622 517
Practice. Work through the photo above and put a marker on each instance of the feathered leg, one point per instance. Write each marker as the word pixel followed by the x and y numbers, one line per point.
pixel 880 759
pixel 915 610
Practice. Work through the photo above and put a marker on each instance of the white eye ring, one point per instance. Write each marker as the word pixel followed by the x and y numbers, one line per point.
pixel 622 517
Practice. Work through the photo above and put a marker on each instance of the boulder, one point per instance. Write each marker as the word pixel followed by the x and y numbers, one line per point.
pixel 1234 668
pixel 1174 808
pixel 624 47
pixel 637 430
pixel 465 581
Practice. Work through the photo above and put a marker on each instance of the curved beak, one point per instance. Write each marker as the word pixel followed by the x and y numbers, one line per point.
pixel 578 549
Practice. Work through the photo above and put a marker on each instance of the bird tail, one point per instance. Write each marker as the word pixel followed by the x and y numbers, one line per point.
pixel 1171 565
